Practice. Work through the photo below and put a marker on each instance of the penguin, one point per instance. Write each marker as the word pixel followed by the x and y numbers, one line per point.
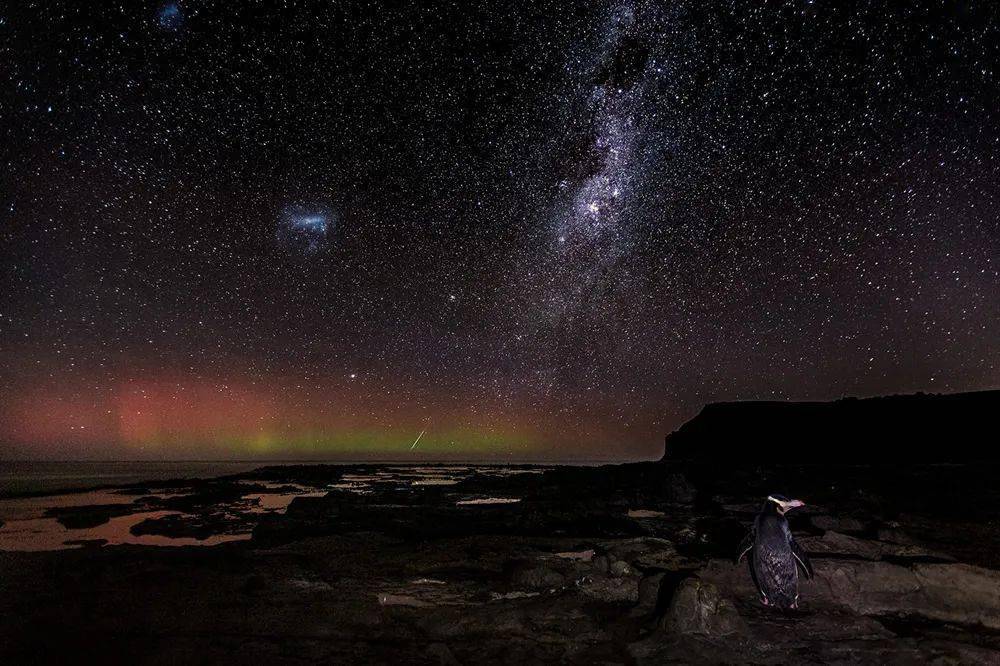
pixel 773 556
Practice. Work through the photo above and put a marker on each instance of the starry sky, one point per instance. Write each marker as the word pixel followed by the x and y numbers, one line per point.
pixel 530 231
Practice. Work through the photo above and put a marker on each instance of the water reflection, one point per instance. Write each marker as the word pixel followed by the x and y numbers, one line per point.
pixel 27 525
pixel 35 534
pixel 488 500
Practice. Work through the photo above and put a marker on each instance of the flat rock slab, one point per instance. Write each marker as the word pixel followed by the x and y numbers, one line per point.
pixel 948 592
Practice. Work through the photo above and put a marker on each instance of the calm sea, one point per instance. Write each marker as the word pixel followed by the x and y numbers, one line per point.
pixel 27 524
pixel 22 477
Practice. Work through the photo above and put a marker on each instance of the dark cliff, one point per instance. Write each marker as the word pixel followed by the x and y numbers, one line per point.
pixel 921 428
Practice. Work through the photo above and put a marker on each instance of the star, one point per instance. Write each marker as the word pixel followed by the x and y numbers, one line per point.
pixel 552 222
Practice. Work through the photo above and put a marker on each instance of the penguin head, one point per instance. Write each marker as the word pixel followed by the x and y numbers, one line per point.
pixel 783 504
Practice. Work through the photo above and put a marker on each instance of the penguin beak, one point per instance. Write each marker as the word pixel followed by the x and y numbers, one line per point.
pixel 791 504
pixel 785 505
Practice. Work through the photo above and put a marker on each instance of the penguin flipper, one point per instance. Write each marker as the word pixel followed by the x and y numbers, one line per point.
pixel 752 566
pixel 746 545
pixel 801 558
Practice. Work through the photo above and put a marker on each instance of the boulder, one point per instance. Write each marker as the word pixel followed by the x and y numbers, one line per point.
pixel 620 568
pixel 698 608
pixel 648 593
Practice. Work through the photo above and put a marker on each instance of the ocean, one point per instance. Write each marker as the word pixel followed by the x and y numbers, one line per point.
pixel 19 477
pixel 36 496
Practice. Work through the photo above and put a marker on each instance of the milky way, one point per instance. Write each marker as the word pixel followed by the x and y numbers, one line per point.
pixel 529 231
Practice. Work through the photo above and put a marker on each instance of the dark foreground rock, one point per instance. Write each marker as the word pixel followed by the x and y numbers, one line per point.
pixel 621 565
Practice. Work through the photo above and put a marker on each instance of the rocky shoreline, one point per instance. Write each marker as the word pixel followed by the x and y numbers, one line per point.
pixel 629 564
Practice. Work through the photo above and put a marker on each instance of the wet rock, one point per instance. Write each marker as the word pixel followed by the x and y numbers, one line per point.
pixel 944 592
pixel 601 564
pixel 960 593
pixel 536 577
pixel 207 495
pixel 610 589
pixel 307 585
pixel 558 517
pixel 644 514
pixel 441 653
pixel 86 543
pixel 255 584
pixel 868 588
pixel 826 635
pixel 83 517
pixel 386 599
pixel 134 490
pixel 698 608
pixel 837 545
pixel 678 488
pixel 327 506
pixel 660 556
pixel 199 526
pixel 517 594
pixel 838 524
pixel 507 617
pixel 895 535
pixel 580 556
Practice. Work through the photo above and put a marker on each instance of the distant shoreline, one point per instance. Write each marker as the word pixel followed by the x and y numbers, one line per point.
pixel 19 480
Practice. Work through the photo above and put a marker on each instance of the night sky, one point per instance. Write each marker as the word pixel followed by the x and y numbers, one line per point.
pixel 527 230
